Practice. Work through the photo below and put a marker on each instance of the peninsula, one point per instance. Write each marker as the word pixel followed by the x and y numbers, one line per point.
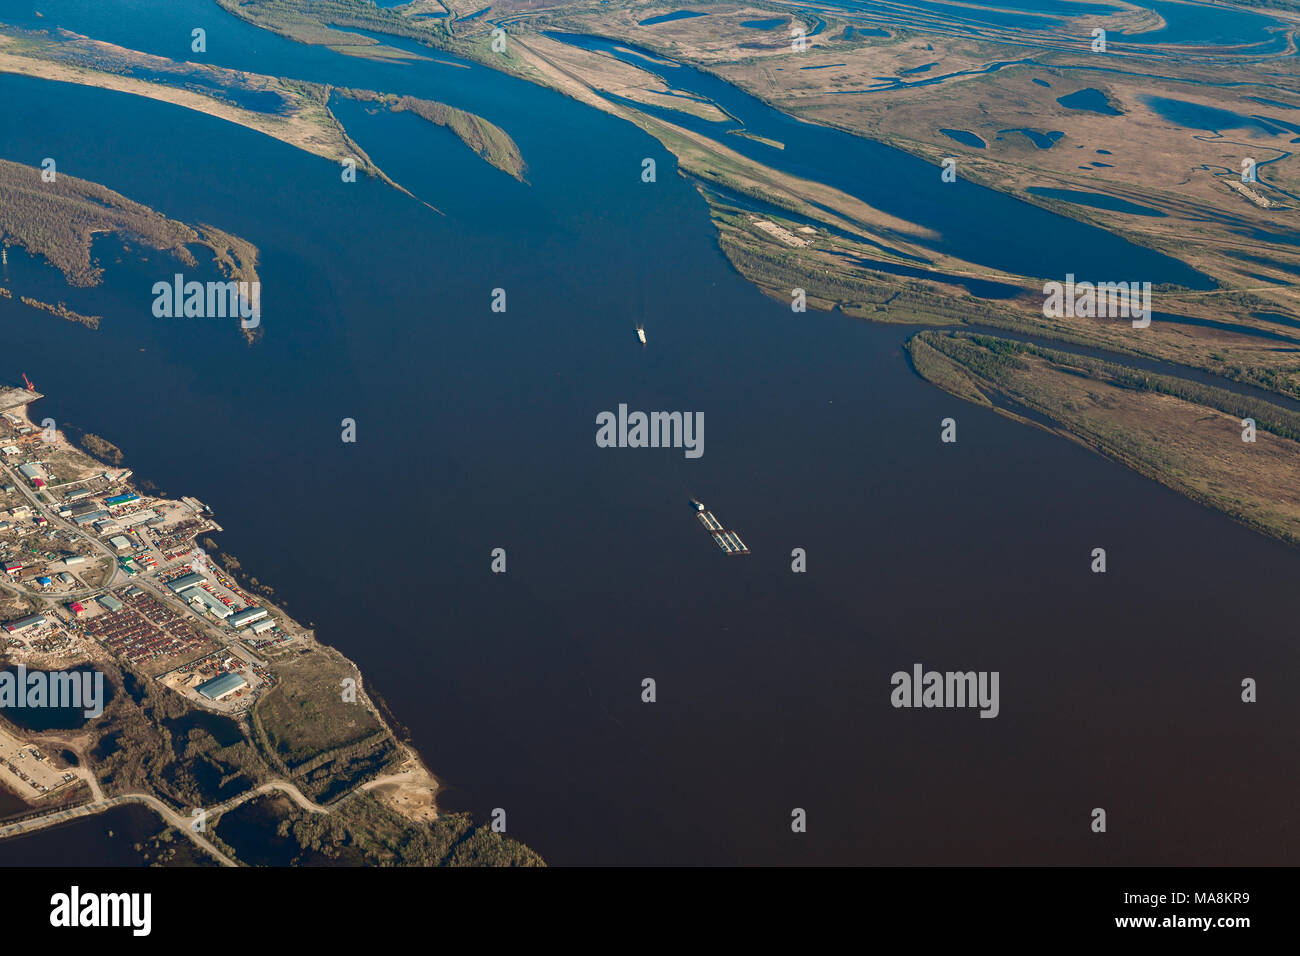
pixel 219 702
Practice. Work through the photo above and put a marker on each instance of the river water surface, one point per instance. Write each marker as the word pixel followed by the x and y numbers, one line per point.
pixel 476 431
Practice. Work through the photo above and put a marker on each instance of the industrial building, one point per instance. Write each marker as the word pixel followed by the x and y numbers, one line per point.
pixel 221 686
pixel 15 627
pixel 90 517
pixel 30 472
pixel 121 542
pixel 74 560
pixel 121 499
pixel 140 517
pixel 262 626
pixel 110 603
pixel 187 581
pixel 247 616
pixel 200 597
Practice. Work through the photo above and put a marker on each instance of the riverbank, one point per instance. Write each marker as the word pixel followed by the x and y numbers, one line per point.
pixel 296 112
pixel 1230 452
pixel 299 719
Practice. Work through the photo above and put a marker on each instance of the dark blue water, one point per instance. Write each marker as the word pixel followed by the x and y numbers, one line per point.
pixel 965 137
pixel 909 188
pixel 1209 25
pixel 1264 261
pixel 1198 116
pixel 1030 16
pixel 851 32
pixel 1069 7
pixel 752 204
pixel 1277 125
pixel 764 24
pixel 1089 100
pixel 86 842
pixel 224 730
pixel 53 718
pixel 1277 318
pixel 886 83
pixel 1187 24
pixel 1095 200
pixel 260 101
pixel 1164 77
pixel 1038 138
pixel 1265 235
pixel 1277 103
pixel 668 17
pixel 1153 365
pixel 978 287
pixel 523 690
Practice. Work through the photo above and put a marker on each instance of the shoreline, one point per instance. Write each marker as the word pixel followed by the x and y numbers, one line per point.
pixel 404 784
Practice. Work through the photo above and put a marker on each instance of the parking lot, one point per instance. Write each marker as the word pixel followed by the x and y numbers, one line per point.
pixel 26 770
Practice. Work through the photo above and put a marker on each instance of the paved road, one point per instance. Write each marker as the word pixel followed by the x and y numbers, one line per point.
pixel 51 515
pixel 285 787
pixel 99 806
pixel 221 634
pixel 100 803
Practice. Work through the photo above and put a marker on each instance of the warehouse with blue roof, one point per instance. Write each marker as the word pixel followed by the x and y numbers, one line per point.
pixel 223 685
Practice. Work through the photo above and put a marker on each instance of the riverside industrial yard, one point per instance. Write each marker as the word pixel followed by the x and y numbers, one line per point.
pixel 99 574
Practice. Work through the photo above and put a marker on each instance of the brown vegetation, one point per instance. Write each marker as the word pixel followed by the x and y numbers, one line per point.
pixel 59 221
pixel 102 448
pixel 490 141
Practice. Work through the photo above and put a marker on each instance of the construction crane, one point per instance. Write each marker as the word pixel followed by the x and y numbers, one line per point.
pixel 28 382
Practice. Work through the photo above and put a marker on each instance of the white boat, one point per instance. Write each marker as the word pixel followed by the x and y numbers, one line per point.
pixel 640 334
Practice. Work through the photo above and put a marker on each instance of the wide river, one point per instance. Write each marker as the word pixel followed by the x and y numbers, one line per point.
pixel 476 431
